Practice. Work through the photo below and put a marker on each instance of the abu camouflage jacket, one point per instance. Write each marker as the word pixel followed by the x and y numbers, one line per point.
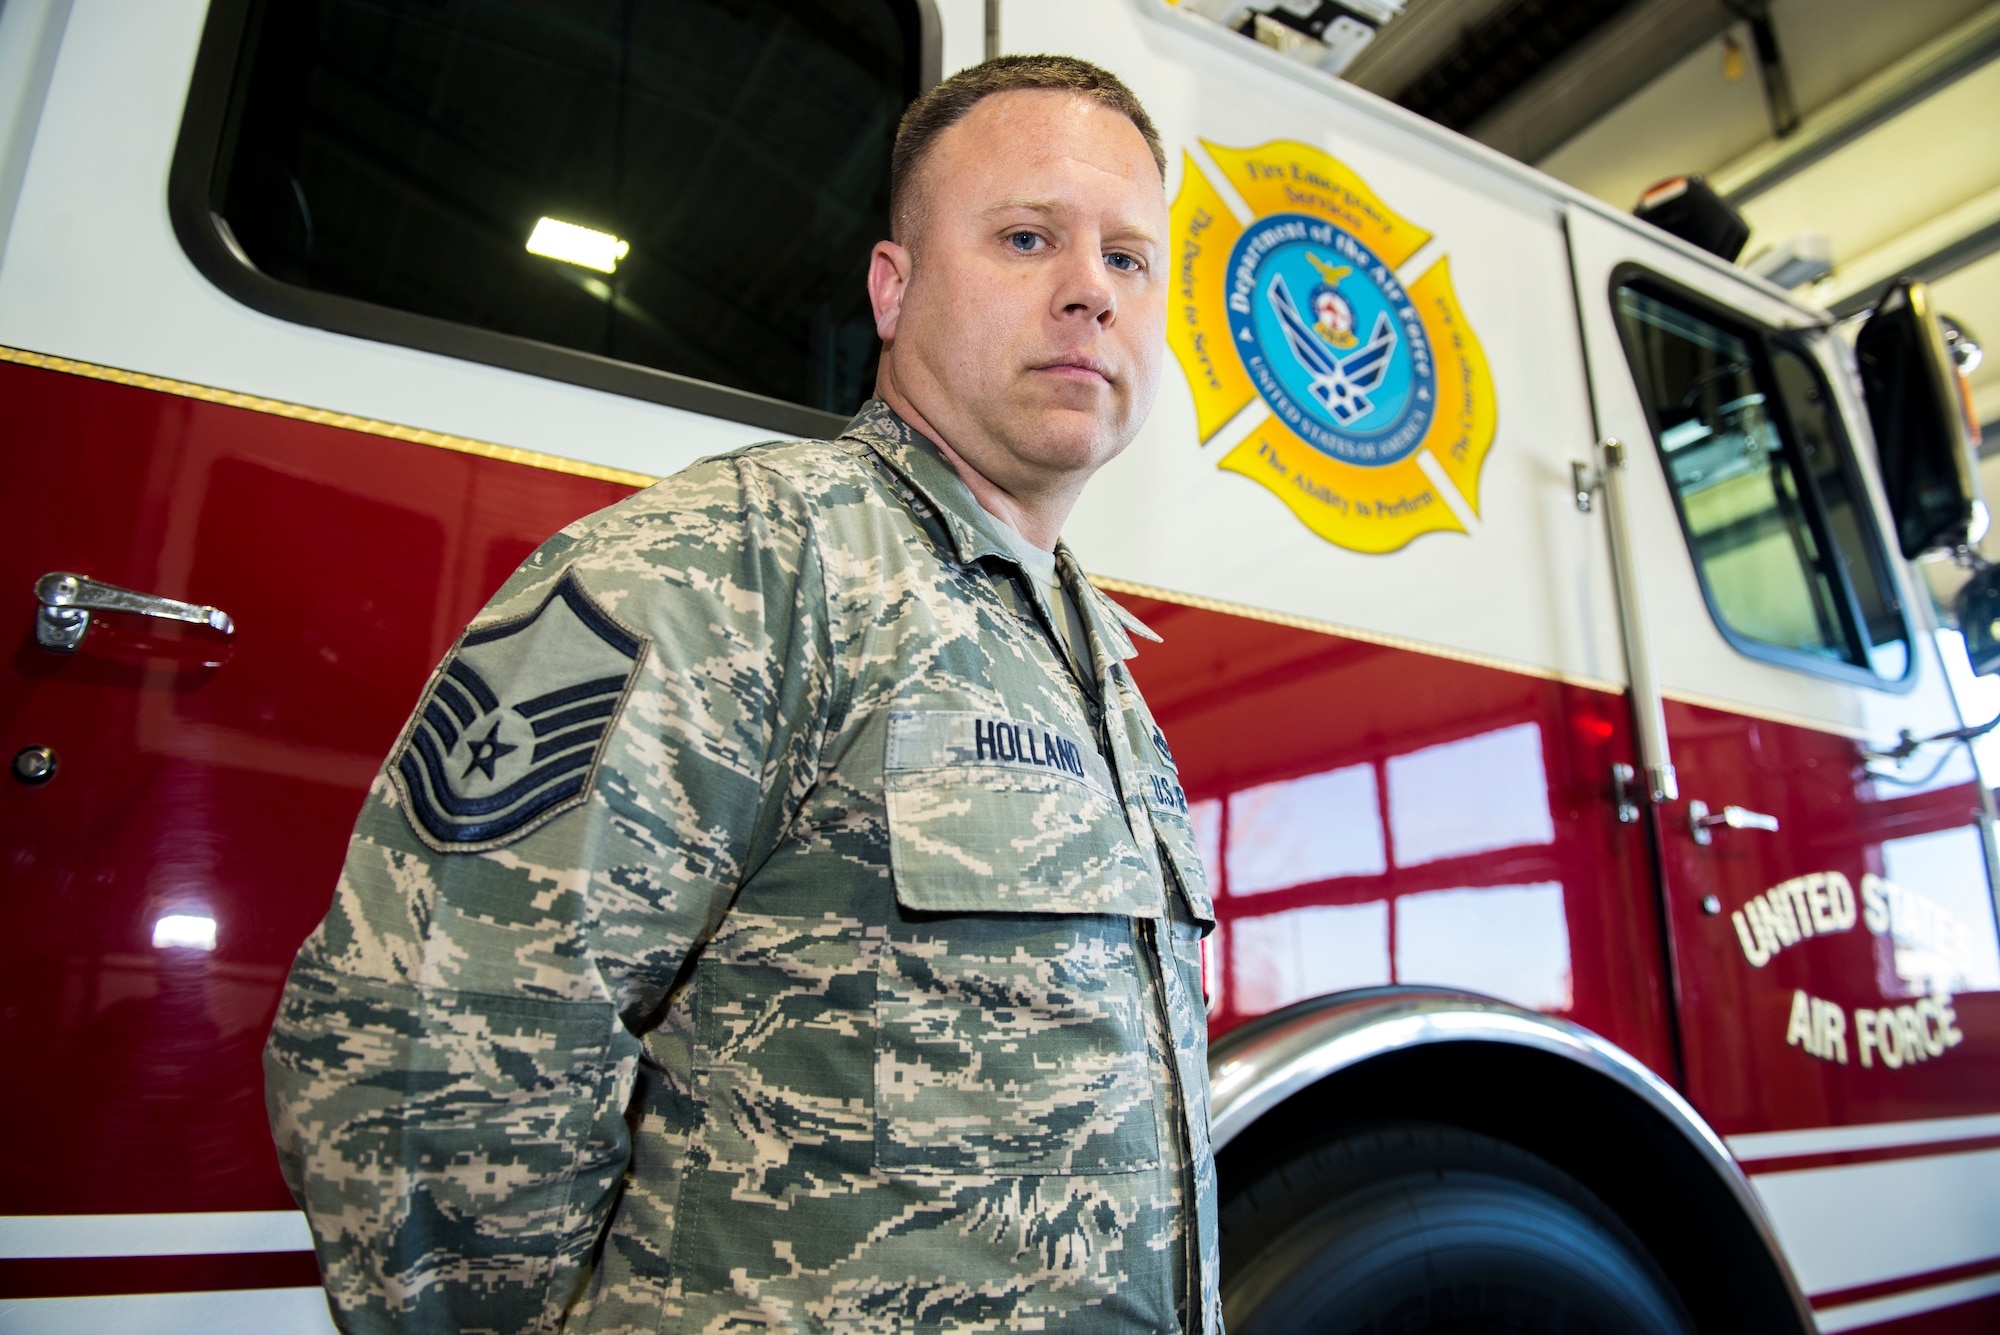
pixel 758 925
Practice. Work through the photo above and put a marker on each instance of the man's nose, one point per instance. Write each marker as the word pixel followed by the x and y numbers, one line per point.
pixel 1084 288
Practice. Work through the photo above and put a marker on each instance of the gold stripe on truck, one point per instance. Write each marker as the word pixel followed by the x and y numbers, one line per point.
pixel 298 412
pixel 1353 633
pixel 577 468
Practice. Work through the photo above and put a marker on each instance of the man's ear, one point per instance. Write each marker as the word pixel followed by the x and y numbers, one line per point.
pixel 888 278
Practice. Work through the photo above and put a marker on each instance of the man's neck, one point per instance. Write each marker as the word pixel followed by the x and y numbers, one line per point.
pixel 1038 519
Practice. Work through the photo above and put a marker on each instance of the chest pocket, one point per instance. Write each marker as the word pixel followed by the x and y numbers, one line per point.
pixel 1011 1031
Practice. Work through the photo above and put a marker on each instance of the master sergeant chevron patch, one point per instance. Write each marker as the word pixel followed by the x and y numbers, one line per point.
pixel 512 728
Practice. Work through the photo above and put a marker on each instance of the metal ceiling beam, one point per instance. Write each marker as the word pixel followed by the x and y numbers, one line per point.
pixel 1627 53
pixel 1503 54
pixel 1952 56
pixel 1963 236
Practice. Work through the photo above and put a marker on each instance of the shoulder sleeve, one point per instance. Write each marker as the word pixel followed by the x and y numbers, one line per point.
pixel 586 780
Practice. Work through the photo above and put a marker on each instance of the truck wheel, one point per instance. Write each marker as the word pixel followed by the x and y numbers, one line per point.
pixel 1413 1228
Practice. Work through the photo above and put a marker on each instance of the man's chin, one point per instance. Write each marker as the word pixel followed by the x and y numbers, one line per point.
pixel 1071 439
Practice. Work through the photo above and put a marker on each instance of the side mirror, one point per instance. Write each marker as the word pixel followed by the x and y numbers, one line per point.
pixel 1977 608
pixel 1923 436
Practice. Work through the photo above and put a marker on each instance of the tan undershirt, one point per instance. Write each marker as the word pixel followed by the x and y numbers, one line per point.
pixel 1040 567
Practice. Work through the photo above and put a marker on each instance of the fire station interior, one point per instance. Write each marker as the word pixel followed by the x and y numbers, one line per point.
pixel 666 206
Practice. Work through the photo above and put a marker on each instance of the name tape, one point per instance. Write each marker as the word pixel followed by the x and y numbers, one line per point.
pixel 949 739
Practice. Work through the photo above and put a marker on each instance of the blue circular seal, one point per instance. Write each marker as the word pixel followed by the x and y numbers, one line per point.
pixel 1331 340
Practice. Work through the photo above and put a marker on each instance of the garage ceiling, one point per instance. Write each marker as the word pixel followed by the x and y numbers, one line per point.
pixel 1522 76
pixel 1895 162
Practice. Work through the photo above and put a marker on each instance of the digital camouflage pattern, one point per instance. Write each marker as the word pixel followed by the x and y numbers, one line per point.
pixel 760 926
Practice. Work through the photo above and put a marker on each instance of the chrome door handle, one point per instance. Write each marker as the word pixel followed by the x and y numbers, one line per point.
pixel 1702 821
pixel 68 600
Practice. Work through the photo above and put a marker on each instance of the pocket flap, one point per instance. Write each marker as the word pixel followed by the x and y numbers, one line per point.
pixel 995 815
pixel 1167 804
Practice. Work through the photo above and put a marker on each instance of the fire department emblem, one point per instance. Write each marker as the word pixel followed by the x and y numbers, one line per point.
pixel 1354 391
pixel 499 747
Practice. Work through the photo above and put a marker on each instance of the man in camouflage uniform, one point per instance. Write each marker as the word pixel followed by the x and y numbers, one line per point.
pixel 781 911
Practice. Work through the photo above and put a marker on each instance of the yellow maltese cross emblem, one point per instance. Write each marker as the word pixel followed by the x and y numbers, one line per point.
pixel 1324 350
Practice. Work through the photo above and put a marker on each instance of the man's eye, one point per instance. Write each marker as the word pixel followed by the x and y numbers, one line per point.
pixel 1118 259
pixel 1025 241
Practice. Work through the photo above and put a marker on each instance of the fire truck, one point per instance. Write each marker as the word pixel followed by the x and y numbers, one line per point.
pixel 1563 629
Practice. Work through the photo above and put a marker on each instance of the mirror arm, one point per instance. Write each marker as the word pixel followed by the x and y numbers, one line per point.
pixel 1911 743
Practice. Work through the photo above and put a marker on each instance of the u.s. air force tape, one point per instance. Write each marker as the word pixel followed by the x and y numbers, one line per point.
pixel 954 739
pixel 513 727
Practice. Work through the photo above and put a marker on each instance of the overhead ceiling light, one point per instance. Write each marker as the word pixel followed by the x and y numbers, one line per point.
pixel 582 246
pixel 187 931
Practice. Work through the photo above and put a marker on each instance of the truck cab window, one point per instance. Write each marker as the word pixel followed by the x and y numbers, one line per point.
pixel 690 186
pixel 1808 402
pixel 1778 526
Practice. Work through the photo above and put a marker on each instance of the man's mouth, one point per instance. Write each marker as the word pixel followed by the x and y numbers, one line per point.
pixel 1079 368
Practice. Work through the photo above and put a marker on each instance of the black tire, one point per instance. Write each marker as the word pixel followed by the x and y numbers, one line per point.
pixel 1418 1229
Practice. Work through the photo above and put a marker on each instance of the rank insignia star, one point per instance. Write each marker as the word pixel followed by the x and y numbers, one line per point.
pixel 486 751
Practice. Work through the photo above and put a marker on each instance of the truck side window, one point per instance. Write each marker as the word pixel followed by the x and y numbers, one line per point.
pixel 1783 543
pixel 702 180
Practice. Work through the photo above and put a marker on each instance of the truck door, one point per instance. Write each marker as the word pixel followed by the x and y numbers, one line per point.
pixel 178 798
pixel 1825 884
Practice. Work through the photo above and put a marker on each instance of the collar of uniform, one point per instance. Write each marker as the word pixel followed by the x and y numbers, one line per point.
pixel 1110 607
pixel 1106 619
pixel 925 468
pixel 974 532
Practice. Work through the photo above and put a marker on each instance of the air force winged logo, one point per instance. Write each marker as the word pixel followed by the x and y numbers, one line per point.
pixel 1365 405
pixel 513 726
pixel 1341 384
